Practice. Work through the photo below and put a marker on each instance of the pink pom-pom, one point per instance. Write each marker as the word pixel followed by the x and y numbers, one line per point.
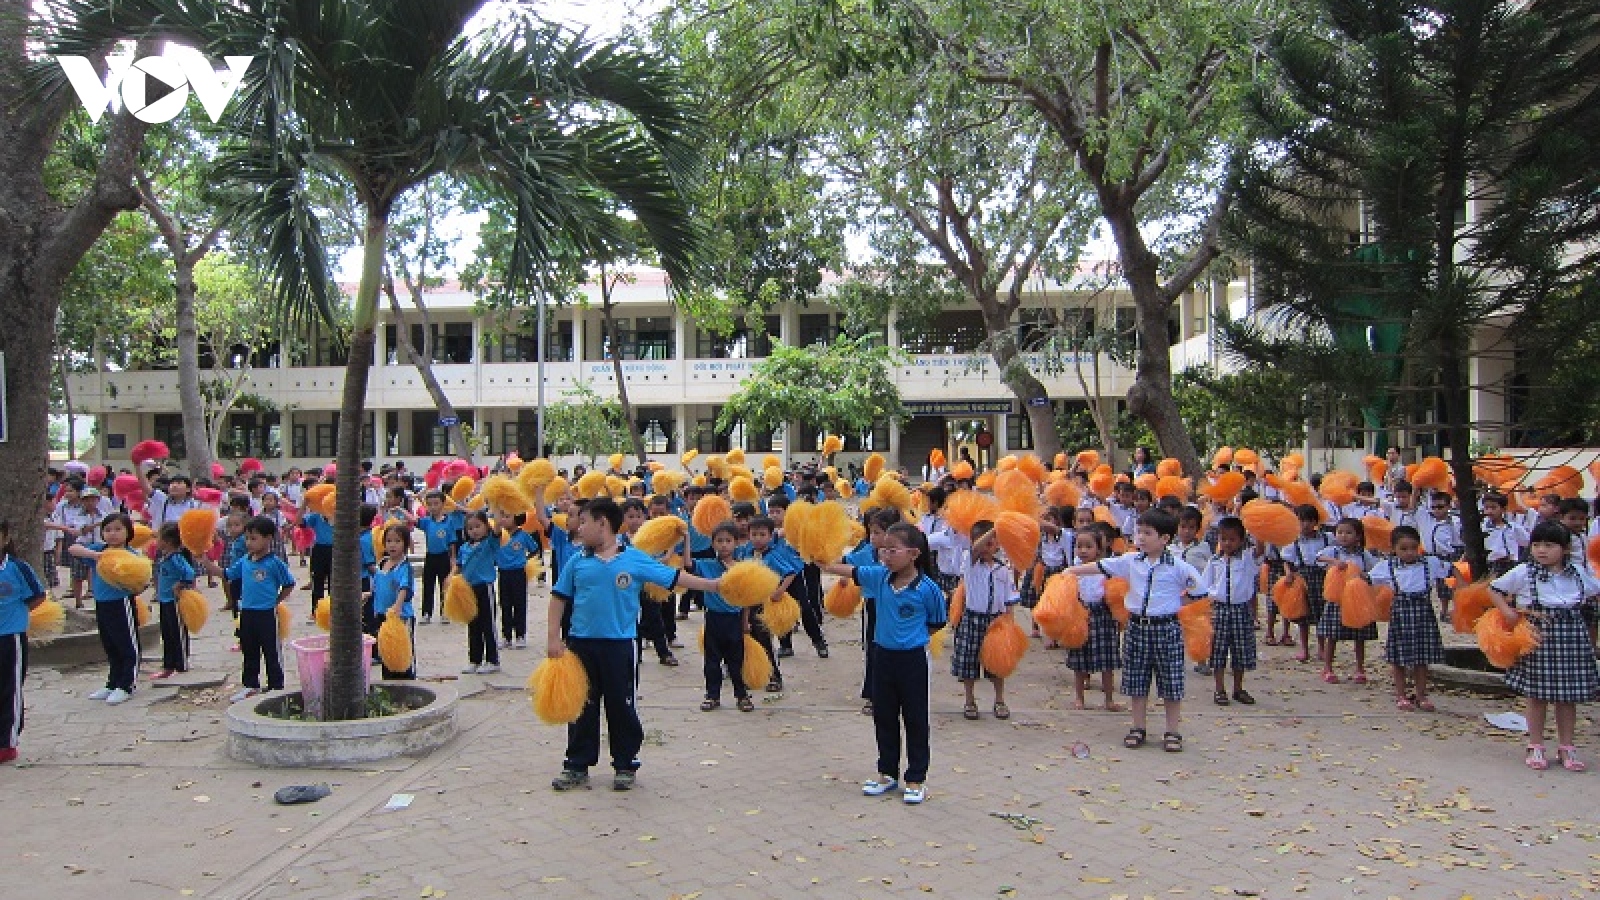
pixel 376 481
pixel 208 496
pixel 457 468
pixel 304 538
pixel 217 471
pixel 97 476
pixel 215 553
pixel 148 450
pixel 123 484
pixel 330 471
pixel 250 465
pixel 134 499
pixel 431 479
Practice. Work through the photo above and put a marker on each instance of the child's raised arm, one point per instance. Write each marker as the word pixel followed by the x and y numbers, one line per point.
pixel 842 569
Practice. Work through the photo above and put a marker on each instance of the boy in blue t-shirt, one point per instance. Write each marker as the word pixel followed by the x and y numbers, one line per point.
pixel 726 626
pixel 264 582
pixel 321 558
pixel 602 585
pixel 20 592
pixel 699 547
pixel 441 532
pixel 517 546
pixel 782 560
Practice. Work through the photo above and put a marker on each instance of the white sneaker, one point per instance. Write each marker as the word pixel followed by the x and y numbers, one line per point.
pixel 505 645
pixel 488 669
pixel 117 697
pixel 243 694
pixel 470 670
pixel 100 694
pixel 443 620
pixel 879 786
pixel 427 620
pixel 520 643
pixel 914 795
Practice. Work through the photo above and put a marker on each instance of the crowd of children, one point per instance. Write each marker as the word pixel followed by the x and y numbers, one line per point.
pixel 1138 551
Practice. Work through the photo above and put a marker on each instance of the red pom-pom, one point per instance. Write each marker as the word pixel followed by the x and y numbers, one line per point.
pixel 431 478
pixel 134 499
pixel 97 476
pixel 217 471
pixel 331 470
pixel 148 450
pixel 458 468
pixel 250 465
pixel 122 484
pixel 208 496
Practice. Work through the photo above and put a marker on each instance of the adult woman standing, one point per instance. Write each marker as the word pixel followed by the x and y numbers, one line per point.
pixel 1143 463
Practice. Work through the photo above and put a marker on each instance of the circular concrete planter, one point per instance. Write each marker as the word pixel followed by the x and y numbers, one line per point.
pixel 254 736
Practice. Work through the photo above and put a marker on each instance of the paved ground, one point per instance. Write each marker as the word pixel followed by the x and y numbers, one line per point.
pixel 1318 791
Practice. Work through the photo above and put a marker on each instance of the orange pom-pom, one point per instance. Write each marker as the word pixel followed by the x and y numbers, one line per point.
pixel 1290 596
pixel 1011 481
pixel 748 583
pixel 709 512
pixel 1063 493
pixel 1087 459
pixel 1333 583
pixel 1339 487
pixel 1263 578
pixel 1563 481
pixel 1146 482
pixel 1246 457
pixel 1225 488
pixel 985 481
pixel 1195 618
pixel 757 668
pixel 124 570
pixel 285 620
pixel 843 599
pixel 1379 533
pixel 1382 602
pixel 1299 493
pixel 1172 486
pixel 1270 523
pixel 559 688
pixel 963 509
pixel 1117 598
pixel 1169 468
pixel 1101 484
pixel 660 534
pixel 958 604
pixel 1060 614
pixel 1223 457
pixel 1503 644
pixel 1006 463
pixel 1033 467
pixel 1004 645
pixel 197 529
pixel 1431 473
pixel 1018 535
pixel 936 458
pixel 1592 550
pixel 1470 602
pixel 1357 609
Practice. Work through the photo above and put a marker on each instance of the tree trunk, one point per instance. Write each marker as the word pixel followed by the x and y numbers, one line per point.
pixel 66 399
pixel 1029 390
pixel 1151 397
pixel 607 312
pixel 422 360
pixel 197 434
pixel 346 660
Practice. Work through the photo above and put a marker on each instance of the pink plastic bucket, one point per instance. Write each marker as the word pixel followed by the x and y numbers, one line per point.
pixel 311 656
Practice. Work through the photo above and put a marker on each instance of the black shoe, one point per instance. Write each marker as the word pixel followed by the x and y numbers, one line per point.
pixel 822 651
pixel 785 652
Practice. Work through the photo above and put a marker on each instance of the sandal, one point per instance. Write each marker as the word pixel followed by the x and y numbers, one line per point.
pixel 708 704
pixel 1172 742
pixel 1359 678
pixel 1243 696
pixel 746 704
pixel 1426 706
pixel 1568 754
pixel 1002 711
pixel 1330 678
pixel 1535 759
pixel 1220 698
pixel 1134 738
pixel 1404 704
pixel 1302 657
pixel 669 660
pixel 970 711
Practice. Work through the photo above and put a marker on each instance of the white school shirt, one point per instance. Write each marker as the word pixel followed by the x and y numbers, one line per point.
pixel 1156 587
pixel 1410 578
pixel 75 516
pixel 1504 541
pixel 991 587
pixel 1091 589
pixel 1439 537
pixel 949 546
pixel 1055 551
pixel 1578 553
pixel 1398 516
pixel 165 510
pixel 1232 579
pixel 1197 554
pixel 1303 552
pixel 1355 509
pixel 1365 559
pixel 1556 590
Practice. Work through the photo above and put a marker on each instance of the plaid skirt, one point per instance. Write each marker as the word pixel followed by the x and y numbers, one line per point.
pixel 1315 602
pixel 52 578
pixel 946 583
pixel 1100 653
pixel 1030 594
pixel 1562 669
pixel 1233 642
pixel 1275 571
pixel 1153 650
pixel 1413 638
pixel 967 642
pixel 1331 628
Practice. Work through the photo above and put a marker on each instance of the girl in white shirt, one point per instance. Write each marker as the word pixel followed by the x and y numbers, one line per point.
pixel 1102 652
pixel 1551 591
pixel 991 590
pixel 1414 642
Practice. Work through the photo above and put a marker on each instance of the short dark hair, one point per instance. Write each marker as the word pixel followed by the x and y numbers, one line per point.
pixel 1159 520
pixel 778 500
pixel 1231 523
pixel 1403 531
pixel 263 526
pixel 742 509
pixel 1305 512
pixel 1187 515
pixel 765 523
pixel 604 508
pixel 1550 533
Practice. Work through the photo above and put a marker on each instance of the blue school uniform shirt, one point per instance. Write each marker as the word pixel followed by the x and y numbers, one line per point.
pixel 369 559
pixel 321 527
pixel 713 568
pixel 103 591
pixel 476 561
pixel 864 555
pixel 561 547
pixel 516 551
pixel 173 571
pixel 386 588
pixel 904 616
pixel 780 558
pixel 605 593
pixel 441 533
pixel 260 580
pixel 18 585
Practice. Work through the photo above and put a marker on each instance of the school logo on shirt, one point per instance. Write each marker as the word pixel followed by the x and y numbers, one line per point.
pixel 259 575
pixel 624 580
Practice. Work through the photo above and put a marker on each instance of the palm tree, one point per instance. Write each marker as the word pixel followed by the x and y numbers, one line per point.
pixel 382 96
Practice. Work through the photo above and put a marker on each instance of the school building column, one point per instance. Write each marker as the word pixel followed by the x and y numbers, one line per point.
pixel 680 414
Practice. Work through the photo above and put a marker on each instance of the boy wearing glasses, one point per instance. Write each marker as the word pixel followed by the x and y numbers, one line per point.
pixel 1441 538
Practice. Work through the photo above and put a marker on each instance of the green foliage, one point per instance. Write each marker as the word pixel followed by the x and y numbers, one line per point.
pixel 846 387
pixel 585 424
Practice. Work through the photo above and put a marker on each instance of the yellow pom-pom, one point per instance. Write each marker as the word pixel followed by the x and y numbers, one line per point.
pixel 831 445
pixel 537 474
pixel 781 615
pixel 1003 646
pixel 46 621
pixel 560 689
pixel 889 492
pixel 821 533
pixel 1198 632
pixel 616 461
pixel 394 641
pixel 664 483
pixel 460 603
pixel 591 485
pixel 463 488
pixel 124 570
pixel 845 489
pixel 555 490
pixel 872 468
pixel 743 489
pixel 616 487
pixel 197 529
pixel 757 668
pixel 322 611
pixel 141 612
pixel 660 534
pixel 771 461
pixel 718 467
pixel 843 599
pixel 192 609
pixel 748 583
pixel 532 569
pixel 506 494
pixel 320 500
pixel 772 478
pixel 688 457
pixel 735 456
pixel 142 536
pixel 709 512
pixel 285 618
pixel 939 642
pixel 559 520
